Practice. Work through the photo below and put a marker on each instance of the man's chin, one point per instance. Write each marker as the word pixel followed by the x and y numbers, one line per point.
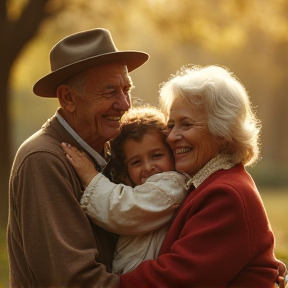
pixel 112 134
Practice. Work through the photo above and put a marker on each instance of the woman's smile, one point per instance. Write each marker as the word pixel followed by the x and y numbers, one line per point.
pixel 178 151
pixel 192 143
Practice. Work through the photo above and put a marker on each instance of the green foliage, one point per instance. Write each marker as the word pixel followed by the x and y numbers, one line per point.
pixel 38 109
pixel 275 201
pixel 189 21
pixel 264 176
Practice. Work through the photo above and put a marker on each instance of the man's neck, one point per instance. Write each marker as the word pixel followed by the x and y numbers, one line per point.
pixel 89 148
pixel 96 143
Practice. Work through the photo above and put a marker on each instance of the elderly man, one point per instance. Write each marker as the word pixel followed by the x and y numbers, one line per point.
pixel 51 242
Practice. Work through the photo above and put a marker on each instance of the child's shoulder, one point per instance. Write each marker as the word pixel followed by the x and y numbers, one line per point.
pixel 169 178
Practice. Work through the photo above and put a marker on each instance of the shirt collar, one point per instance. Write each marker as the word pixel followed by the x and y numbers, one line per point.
pixel 221 161
pixel 95 155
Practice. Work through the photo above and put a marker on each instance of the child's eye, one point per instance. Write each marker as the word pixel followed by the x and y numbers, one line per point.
pixel 134 163
pixel 157 155
pixel 170 126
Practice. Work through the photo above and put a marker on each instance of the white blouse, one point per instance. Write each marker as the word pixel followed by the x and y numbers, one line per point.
pixel 140 214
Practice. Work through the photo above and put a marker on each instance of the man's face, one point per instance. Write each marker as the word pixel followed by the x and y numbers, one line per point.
pixel 106 98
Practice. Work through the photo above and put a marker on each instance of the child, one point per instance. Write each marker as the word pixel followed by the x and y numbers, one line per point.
pixel 140 156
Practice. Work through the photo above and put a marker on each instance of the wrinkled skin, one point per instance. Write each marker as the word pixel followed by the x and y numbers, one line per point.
pixel 192 143
pixel 95 113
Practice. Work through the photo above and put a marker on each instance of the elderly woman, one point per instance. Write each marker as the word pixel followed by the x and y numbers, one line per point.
pixel 221 235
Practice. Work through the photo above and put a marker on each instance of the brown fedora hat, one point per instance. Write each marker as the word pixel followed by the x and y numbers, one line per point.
pixel 81 51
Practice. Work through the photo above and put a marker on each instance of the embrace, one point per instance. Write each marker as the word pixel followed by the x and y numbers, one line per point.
pixel 107 195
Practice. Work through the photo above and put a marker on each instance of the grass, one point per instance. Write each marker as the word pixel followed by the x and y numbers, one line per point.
pixel 4 280
pixel 275 201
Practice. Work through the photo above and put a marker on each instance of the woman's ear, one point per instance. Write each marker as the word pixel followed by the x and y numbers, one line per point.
pixel 222 142
pixel 65 97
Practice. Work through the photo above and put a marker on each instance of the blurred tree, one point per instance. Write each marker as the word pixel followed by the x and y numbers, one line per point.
pixel 230 32
pixel 19 22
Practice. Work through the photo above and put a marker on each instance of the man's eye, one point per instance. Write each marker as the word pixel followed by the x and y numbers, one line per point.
pixel 127 91
pixel 108 94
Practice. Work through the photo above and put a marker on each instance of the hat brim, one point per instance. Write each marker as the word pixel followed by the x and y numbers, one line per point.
pixel 47 86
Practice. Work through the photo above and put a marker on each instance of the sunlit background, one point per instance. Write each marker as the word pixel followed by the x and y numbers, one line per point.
pixel 249 37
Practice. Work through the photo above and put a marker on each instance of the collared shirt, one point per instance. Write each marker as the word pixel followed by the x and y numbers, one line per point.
pixel 95 155
pixel 221 161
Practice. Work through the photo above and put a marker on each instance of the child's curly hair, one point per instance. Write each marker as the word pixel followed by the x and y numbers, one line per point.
pixel 135 123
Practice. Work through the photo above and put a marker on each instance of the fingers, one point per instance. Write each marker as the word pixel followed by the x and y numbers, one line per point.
pixel 73 151
pixel 69 158
pixel 68 147
pixel 282 279
pixel 67 151
pixel 282 268
pixel 282 282
pixel 80 161
pixel 76 158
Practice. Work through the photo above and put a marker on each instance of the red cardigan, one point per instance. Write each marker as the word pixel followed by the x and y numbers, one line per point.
pixel 220 237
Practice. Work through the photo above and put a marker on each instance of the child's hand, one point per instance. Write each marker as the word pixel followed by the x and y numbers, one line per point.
pixel 81 163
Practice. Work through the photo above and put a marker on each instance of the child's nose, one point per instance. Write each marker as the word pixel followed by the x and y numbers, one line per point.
pixel 149 166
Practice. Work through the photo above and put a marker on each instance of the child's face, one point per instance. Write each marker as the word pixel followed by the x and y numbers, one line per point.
pixel 147 157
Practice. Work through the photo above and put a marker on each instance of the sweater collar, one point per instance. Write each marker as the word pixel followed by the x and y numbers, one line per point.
pixel 221 161
pixel 95 155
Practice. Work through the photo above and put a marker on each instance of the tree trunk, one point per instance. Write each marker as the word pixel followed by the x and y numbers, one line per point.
pixel 14 36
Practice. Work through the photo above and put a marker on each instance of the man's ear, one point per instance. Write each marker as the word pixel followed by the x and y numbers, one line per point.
pixel 65 97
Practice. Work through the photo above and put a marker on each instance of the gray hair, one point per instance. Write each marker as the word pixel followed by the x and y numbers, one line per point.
pixel 227 105
pixel 78 83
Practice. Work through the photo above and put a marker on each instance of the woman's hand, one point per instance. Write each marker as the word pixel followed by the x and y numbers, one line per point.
pixel 282 279
pixel 81 163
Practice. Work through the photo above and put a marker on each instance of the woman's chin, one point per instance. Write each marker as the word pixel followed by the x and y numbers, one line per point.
pixel 182 168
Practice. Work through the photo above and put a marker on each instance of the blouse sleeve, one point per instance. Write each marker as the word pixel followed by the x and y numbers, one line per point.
pixel 132 211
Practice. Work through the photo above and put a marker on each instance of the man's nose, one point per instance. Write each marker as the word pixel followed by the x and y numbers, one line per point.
pixel 123 102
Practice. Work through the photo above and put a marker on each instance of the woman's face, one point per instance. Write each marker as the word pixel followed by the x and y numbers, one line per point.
pixel 192 144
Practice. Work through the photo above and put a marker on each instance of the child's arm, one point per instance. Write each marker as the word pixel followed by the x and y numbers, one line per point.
pixel 125 210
